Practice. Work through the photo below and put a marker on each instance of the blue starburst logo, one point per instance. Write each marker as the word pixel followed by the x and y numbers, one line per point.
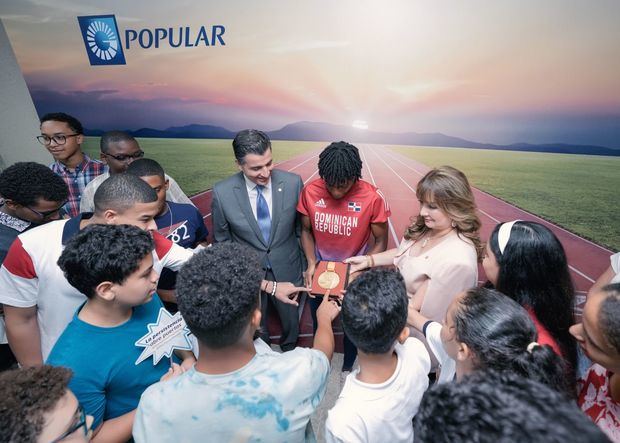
pixel 101 39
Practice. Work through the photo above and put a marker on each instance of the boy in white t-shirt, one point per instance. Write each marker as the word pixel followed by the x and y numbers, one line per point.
pixel 379 400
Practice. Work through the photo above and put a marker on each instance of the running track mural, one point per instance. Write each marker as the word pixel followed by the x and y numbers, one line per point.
pixel 397 177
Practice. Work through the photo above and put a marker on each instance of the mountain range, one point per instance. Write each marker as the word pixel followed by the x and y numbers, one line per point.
pixel 315 131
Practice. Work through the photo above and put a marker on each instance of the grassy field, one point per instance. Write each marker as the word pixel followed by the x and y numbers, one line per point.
pixel 196 164
pixel 578 192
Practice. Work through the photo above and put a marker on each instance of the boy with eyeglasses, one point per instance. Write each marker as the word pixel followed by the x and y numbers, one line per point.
pixel 118 151
pixel 37 405
pixel 30 195
pixel 62 135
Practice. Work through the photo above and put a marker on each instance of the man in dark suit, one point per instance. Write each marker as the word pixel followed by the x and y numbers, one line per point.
pixel 257 206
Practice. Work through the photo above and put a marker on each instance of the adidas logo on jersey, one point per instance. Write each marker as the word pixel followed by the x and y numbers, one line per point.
pixel 320 204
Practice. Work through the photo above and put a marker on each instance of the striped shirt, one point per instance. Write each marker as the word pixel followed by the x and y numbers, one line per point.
pixel 77 180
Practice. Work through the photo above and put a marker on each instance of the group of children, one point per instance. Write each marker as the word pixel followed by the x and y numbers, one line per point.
pixel 507 357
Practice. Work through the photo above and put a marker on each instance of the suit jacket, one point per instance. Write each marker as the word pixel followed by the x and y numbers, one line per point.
pixel 233 220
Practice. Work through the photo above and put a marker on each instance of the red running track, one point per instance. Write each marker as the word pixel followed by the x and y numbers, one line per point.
pixel 397 177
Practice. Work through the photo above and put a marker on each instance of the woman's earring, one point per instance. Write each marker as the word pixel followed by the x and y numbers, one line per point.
pixel 453 224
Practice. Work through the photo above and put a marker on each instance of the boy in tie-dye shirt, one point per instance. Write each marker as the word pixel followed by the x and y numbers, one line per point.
pixel 235 393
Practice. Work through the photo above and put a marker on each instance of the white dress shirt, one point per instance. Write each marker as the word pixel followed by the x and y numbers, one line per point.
pixel 253 193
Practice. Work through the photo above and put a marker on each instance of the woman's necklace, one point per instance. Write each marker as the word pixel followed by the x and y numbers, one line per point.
pixel 428 238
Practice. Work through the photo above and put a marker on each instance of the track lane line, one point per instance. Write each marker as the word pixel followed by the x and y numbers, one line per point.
pixel 391 226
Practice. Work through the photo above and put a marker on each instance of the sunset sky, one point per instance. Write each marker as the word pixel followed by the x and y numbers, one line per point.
pixel 489 71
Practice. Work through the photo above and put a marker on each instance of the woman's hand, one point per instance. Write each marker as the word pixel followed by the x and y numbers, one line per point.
pixel 358 263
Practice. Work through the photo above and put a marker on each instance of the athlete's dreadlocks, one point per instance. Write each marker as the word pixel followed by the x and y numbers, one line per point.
pixel 339 163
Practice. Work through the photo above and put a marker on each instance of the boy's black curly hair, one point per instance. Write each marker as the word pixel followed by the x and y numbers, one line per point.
pixel 217 291
pixel 104 253
pixel 26 395
pixel 26 182
pixel 492 407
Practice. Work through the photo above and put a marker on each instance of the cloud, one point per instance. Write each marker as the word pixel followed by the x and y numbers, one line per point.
pixel 423 90
pixel 308 46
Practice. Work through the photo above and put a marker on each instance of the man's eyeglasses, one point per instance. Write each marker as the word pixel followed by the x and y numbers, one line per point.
pixel 124 158
pixel 46 214
pixel 80 422
pixel 59 139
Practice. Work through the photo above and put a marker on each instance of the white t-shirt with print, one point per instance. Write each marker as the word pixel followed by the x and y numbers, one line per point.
pixel 270 399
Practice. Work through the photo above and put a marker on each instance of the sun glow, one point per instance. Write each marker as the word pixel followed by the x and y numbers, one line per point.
pixel 359 124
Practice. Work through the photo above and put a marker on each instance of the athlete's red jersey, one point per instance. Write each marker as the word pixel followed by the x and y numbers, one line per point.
pixel 341 227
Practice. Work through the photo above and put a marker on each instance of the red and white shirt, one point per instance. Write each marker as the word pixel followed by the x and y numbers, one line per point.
pixel 30 275
pixel 341 227
pixel 595 400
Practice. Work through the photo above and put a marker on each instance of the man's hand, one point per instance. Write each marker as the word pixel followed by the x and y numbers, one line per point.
pixel 358 263
pixel 288 293
pixel 309 274
pixel 328 309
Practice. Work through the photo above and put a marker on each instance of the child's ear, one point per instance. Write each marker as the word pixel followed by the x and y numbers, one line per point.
pixel 11 204
pixel 404 335
pixel 463 352
pixel 105 290
pixel 255 319
pixel 110 216
pixel 167 185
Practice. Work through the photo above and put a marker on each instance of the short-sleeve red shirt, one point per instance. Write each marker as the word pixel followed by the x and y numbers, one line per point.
pixel 341 227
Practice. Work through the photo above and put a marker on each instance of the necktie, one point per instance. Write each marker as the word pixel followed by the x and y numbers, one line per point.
pixel 262 213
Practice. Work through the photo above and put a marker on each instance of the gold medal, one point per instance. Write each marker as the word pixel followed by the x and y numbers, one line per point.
pixel 329 279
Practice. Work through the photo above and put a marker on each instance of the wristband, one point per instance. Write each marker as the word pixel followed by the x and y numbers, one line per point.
pixel 371 260
pixel 274 289
pixel 426 325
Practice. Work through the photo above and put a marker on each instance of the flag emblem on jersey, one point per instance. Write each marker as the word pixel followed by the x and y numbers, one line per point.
pixel 320 204
pixel 355 207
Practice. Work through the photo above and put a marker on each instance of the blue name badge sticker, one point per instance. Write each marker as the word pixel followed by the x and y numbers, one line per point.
pixel 101 39
pixel 169 333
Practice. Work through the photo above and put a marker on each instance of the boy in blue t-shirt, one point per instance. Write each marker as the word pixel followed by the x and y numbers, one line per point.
pixel 113 266
pixel 181 223
pixel 235 392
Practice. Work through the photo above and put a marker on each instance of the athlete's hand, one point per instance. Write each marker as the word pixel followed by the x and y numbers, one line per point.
pixel 308 275
pixel 358 263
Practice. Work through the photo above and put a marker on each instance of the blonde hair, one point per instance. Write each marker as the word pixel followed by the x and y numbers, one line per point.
pixel 449 189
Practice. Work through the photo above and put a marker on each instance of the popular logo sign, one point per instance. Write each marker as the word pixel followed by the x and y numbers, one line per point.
pixel 103 45
pixel 101 39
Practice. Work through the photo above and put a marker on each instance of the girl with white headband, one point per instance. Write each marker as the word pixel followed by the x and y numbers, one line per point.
pixel 526 261
pixel 484 329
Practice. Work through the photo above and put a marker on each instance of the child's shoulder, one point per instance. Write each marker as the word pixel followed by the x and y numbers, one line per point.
pixel 298 356
pixel 413 350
